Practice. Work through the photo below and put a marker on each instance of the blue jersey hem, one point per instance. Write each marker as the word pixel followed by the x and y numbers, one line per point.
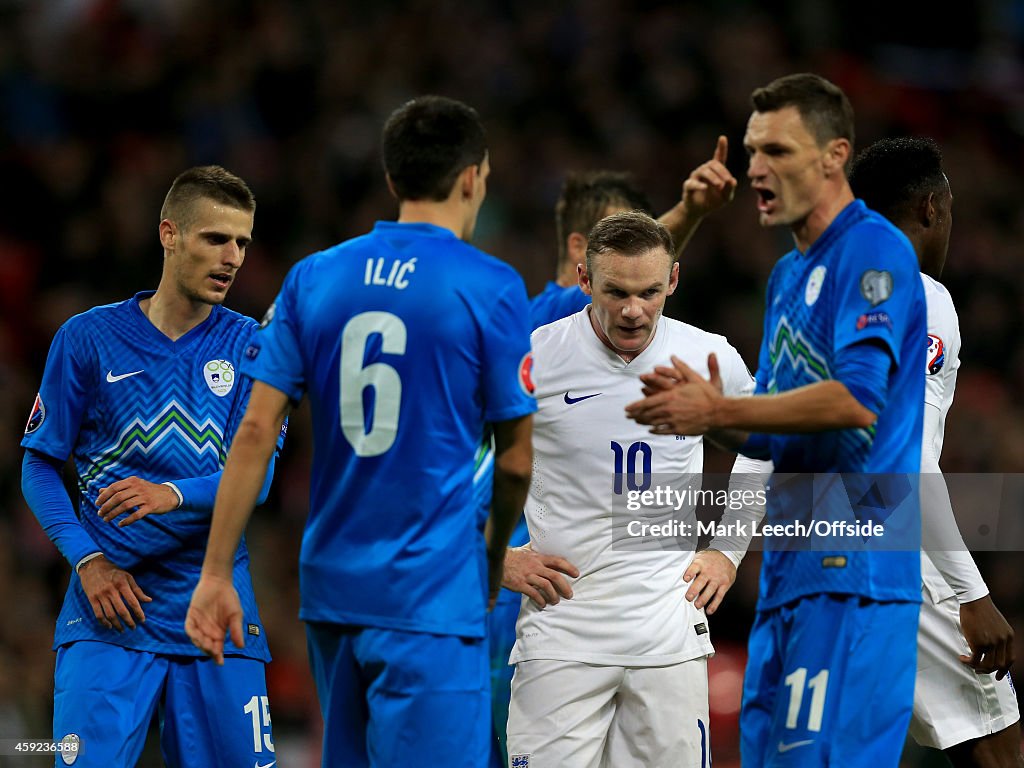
pixel 475 630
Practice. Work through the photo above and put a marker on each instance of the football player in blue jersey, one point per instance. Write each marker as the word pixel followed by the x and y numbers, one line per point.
pixel 144 396
pixel 409 343
pixel 840 388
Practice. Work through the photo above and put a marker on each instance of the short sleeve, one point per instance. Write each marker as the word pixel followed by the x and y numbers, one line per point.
pixel 875 291
pixel 507 363
pixel 736 378
pixel 274 356
pixel 61 403
pixel 942 358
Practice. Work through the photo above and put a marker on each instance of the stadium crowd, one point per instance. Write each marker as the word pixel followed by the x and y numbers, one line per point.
pixel 103 102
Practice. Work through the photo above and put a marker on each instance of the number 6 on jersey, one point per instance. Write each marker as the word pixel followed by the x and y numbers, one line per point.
pixel 376 436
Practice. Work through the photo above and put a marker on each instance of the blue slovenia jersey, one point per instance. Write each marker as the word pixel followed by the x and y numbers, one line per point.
pixel 858 283
pixel 122 399
pixel 551 304
pixel 408 341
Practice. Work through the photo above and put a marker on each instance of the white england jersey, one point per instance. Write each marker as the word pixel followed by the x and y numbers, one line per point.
pixel 628 607
pixel 943 359
pixel 941 364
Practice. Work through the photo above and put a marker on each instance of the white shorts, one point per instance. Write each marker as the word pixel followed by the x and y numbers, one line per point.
pixel 952 702
pixel 567 714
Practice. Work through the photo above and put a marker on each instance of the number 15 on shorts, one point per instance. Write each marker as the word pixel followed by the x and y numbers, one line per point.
pixel 258 709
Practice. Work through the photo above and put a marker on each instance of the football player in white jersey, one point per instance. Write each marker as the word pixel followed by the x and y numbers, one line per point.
pixel 617 675
pixel 964 702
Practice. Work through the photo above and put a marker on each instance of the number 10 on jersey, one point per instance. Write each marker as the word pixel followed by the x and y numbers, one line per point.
pixel 626 461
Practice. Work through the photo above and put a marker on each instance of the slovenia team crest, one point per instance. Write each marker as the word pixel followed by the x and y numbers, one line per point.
pixel 814 282
pixel 220 376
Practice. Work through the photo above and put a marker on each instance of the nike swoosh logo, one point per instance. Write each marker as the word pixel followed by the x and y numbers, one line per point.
pixel 112 378
pixel 786 747
pixel 574 400
pixel 265 766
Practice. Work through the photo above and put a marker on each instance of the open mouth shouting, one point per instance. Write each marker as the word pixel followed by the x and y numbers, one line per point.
pixel 765 199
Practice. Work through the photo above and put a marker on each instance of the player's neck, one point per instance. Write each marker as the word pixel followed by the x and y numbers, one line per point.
pixel 806 232
pixel 441 214
pixel 174 315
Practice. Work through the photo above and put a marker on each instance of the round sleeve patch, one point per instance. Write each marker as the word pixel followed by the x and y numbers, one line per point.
pixel 526 374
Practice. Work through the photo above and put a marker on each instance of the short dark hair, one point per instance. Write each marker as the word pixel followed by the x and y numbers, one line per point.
pixel 629 233
pixel 427 143
pixel 822 105
pixel 586 196
pixel 204 181
pixel 892 174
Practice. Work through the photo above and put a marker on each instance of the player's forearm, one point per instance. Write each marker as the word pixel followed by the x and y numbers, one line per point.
pixel 244 476
pixel 198 494
pixel 682 223
pixel 940 534
pixel 46 496
pixel 745 509
pixel 513 467
pixel 816 407
pixel 942 540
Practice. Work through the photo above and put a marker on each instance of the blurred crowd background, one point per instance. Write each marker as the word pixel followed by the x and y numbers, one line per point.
pixel 104 102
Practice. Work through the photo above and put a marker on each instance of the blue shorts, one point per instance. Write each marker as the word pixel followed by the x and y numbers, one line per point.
pixel 830 681
pixel 390 697
pixel 501 635
pixel 209 716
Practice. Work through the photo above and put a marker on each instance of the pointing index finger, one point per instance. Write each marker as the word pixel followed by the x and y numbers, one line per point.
pixel 722 149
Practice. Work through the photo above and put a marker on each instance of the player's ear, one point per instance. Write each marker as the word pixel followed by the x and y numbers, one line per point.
pixel 673 279
pixel 583 279
pixel 391 186
pixel 467 181
pixel 837 152
pixel 168 234
pixel 926 213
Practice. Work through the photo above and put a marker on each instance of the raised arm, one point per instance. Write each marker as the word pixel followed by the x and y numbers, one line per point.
pixel 215 608
pixel 708 187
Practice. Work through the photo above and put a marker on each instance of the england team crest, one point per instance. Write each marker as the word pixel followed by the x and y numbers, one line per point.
pixel 220 376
